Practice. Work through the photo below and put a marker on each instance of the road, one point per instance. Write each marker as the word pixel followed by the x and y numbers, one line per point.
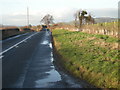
pixel 27 62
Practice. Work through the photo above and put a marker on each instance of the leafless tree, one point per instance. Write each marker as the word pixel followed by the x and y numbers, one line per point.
pixel 47 19
pixel 89 19
pixel 83 18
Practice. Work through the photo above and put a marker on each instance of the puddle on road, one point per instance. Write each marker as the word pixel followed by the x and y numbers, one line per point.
pixel 50 45
pixel 45 42
pixel 46 39
pixel 53 77
pixel 52 59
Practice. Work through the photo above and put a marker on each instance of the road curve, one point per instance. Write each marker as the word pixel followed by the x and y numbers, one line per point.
pixel 30 64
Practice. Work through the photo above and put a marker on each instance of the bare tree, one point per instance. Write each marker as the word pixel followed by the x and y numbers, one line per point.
pixel 83 18
pixel 89 19
pixel 47 19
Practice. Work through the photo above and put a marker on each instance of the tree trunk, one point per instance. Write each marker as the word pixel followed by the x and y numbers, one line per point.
pixel 80 25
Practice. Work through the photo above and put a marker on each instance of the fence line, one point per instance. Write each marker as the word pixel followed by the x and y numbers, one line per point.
pixel 94 31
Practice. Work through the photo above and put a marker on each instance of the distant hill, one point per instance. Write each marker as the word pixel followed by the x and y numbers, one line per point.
pixel 97 20
pixel 104 19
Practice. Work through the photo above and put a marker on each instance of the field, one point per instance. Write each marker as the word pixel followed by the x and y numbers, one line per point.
pixel 107 28
pixel 91 57
pixel 110 26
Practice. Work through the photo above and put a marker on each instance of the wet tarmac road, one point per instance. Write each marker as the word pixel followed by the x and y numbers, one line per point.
pixel 29 64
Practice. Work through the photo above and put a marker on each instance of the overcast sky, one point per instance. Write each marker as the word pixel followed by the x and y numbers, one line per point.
pixel 13 12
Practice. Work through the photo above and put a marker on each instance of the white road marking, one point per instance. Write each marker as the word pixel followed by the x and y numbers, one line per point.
pixel 25 41
pixel 1 57
pixel 45 42
pixel 13 37
pixel 17 44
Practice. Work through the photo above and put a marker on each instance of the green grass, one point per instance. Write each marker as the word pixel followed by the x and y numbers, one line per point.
pixel 82 57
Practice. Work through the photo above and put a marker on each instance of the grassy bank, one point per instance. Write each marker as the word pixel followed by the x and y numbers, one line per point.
pixel 91 57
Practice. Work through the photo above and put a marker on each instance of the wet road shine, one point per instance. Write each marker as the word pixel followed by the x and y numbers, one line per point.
pixel 30 65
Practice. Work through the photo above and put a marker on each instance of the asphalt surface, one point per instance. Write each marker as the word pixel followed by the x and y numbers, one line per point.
pixel 29 64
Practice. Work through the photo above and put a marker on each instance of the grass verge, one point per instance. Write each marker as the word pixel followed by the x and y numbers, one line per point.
pixel 91 57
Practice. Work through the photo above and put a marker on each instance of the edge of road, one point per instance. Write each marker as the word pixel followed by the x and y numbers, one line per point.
pixel 58 62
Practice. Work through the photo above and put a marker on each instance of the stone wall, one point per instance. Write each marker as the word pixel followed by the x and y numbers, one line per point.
pixel 9 32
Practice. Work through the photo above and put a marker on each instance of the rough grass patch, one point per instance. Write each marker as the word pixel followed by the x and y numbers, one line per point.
pixel 98 64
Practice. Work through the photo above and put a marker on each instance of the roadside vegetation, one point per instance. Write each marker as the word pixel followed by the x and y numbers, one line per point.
pixel 91 57
pixel 110 26
pixel 107 28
